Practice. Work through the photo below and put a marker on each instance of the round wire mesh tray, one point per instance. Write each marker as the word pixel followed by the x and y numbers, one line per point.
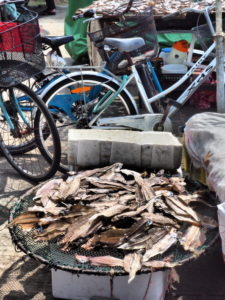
pixel 49 252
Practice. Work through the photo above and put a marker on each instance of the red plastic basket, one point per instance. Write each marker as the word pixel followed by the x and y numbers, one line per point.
pixel 14 35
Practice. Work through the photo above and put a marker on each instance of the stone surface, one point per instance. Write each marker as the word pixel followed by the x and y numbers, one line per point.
pixel 147 150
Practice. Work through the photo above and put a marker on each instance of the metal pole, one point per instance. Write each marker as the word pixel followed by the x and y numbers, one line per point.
pixel 219 59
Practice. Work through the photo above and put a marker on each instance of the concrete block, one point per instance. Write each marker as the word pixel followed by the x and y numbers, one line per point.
pixel 146 150
pixel 105 152
pixel 128 153
pixel 88 153
pixel 146 154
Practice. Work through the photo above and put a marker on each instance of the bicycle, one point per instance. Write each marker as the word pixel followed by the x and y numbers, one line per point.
pixel 122 84
pixel 94 95
pixel 21 57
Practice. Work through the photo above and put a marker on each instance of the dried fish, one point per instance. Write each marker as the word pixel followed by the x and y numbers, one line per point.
pixel 124 199
pixel 36 208
pixel 56 226
pixel 109 184
pixel 28 226
pixel 182 210
pixel 100 260
pixel 50 236
pixel 158 181
pixel 143 238
pixel 99 191
pixel 99 171
pixel 160 8
pixel 111 237
pixel 162 245
pixel 161 205
pixel 79 228
pixel 112 207
pixel 49 188
pixel 92 197
pixel 110 211
pixel 82 258
pixel 178 184
pixel 133 213
pixel 52 208
pixel 69 189
pixel 25 218
pixel 160 219
pixel 132 263
pixel 47 220
pixel 196 197
pixel 193 238
pixel 114 175
pixel 103 204
pixel 146 190
pixel 159 264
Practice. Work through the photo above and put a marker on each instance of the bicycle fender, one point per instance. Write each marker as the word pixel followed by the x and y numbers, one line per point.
pixel 91 73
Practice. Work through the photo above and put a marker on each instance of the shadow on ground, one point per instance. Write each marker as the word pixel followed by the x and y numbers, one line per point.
pixel 26 279
pixel 200 279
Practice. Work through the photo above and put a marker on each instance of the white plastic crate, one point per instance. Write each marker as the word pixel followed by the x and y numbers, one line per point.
pixel 66 285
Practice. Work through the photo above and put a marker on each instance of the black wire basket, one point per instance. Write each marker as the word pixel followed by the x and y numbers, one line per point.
pixel 21 55
pixel 127 26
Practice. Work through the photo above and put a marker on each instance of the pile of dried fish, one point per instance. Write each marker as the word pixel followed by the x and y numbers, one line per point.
pixel 111 207
pixel 160 7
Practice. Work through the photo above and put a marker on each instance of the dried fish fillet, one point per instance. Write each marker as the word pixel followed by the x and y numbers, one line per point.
pixel 109 184
pixel 182 212
pixel 178 184
pixel 159 264
pixel 160 219
pixel 100 260
pixel 193 239
pixel 162 245
pixel 117 208
pixel 79 228
pixel 25 218
pixel 132 263
pixel 69 189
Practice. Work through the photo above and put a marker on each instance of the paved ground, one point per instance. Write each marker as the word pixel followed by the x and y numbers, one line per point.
pixel 22 278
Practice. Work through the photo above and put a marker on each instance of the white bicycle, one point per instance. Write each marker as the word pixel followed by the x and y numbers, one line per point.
pixel 101 99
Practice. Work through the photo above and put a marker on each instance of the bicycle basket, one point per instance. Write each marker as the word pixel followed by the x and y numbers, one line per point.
pixel 21 54
pixel 127 26
pixel 204 35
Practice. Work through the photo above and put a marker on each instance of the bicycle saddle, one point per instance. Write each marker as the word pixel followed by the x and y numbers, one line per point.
pixel 126 44
pixel 56 41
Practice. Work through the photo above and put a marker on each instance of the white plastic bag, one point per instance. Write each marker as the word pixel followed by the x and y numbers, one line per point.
pixel 205 143
pixel 221 219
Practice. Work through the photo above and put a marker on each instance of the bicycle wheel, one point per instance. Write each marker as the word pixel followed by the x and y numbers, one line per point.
pixel 36 85
pixel 71 103
pixel 34 127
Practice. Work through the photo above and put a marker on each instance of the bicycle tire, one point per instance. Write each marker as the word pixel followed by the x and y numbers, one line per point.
pixel 30 145
pixel 32 166
pixel 83 81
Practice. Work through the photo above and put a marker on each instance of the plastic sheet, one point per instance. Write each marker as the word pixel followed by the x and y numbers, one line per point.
pixel 205 143
pixel 78 29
